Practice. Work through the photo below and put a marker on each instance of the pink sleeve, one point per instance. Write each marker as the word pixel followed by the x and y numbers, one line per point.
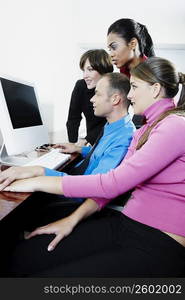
pixel 156 154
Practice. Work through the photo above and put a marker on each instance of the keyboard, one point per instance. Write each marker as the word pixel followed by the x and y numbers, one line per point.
pixel 52 160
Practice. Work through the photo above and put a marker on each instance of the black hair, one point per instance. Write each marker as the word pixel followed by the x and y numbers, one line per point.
pixel 129 29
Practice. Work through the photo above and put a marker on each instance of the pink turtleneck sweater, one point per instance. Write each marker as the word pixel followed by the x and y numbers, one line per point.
pixel 156 171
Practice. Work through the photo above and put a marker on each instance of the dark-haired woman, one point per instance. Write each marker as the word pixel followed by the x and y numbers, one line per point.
pixel 129 43
pixel 94 63
pixel 146 239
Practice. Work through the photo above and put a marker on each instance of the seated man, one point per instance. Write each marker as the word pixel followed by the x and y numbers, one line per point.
pixel 110 101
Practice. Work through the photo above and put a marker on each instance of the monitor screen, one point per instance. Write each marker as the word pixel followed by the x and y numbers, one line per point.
pixel 21 120
pixel 21 103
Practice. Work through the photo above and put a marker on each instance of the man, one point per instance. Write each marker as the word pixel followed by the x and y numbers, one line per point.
pixel 110 101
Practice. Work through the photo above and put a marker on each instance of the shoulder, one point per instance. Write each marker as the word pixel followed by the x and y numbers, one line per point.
pixel 122 136
pixel 173 121
pixel 80 88
pixel 131 126
pixel 173 125
pixel 80 84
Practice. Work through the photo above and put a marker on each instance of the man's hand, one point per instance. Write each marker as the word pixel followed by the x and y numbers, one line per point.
pixel 61 229
pixel 68 148
pixel 14 173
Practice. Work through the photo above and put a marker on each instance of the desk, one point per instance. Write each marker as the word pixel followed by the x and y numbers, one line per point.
pixel 9 200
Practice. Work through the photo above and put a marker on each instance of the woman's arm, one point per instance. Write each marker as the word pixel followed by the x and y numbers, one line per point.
pixel 75 112
pixel 163 147
pixel 14 173
pixel 158 153
pixel 48 184
pixel 65 226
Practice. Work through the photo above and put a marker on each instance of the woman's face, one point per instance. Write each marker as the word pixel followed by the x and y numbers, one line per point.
pixel 121 53
pixel 141 95
pixel 90 75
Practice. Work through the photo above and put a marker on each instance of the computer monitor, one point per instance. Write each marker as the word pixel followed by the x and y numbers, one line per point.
pixel 21 123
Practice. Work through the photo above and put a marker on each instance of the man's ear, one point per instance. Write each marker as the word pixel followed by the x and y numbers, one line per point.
pixel 116 98
pixel 133 43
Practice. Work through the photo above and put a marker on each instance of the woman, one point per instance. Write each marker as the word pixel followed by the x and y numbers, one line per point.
pixel 129 44
pixel 93 63
pixel 146 239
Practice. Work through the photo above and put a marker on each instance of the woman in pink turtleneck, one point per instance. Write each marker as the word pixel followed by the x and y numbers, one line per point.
pixel 146 239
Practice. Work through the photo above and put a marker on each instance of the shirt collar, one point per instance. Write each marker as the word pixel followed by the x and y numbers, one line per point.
pixel 117 124
pixel 156 109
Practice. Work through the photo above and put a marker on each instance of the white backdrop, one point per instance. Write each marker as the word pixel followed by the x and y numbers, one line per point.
pixel 41 42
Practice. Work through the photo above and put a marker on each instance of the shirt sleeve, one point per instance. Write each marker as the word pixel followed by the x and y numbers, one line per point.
pixel 85 151
pixel 113 155
pixel 94 131
pixel 50 172
pixel 155 155
pixel 75 113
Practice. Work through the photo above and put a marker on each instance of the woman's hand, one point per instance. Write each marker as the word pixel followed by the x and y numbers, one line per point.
pixel 14 173
pixel 61 229
pixel 47 184
pixel 64 227
pixel 23 185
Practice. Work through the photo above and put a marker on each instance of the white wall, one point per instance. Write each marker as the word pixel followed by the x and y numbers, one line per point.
pixel 41 40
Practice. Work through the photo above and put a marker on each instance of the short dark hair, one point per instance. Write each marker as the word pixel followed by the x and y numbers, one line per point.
pixel 118 82
pixel 128 29
pixel 99 60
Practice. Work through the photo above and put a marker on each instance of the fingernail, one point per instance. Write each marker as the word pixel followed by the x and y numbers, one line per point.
pixel 50 248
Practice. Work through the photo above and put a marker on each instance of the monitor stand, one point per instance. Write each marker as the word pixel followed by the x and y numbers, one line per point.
pixel 5 159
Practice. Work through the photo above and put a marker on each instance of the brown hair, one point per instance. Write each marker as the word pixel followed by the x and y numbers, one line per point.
pixel 99 60
pixel 119 82
pixel 159 70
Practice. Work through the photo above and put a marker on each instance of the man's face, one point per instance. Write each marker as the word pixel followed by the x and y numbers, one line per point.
pixel 102 103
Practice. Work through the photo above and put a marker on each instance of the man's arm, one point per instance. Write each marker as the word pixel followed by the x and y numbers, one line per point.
pixel 111 158
pixel 113 154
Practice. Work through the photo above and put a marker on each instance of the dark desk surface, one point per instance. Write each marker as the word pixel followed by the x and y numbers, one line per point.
pixel 9 200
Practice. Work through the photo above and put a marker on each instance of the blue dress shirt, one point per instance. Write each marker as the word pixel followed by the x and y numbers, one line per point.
pixel 110 150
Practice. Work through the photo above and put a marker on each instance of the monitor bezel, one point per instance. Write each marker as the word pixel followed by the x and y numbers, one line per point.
pixel 25 139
